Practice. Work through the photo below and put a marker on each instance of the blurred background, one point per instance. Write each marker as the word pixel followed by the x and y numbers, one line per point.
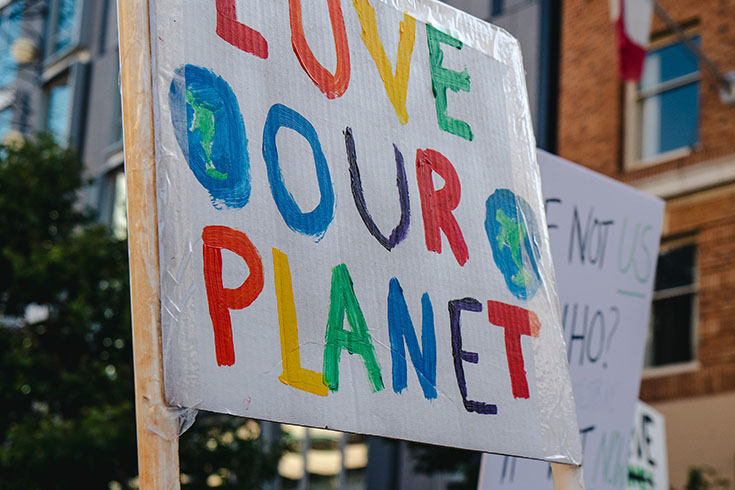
pixel 66 391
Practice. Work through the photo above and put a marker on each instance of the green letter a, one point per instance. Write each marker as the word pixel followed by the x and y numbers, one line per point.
pixel 357 340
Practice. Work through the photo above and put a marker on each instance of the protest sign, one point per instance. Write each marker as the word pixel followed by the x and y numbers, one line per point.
pixel 648 467
pixel 350 224
pixel 604 240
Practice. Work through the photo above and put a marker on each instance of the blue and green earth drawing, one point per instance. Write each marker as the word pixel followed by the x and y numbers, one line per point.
pixel 211 133
pixel 514 237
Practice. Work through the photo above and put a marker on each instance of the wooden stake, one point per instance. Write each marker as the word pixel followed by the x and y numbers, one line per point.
pixel 157 430
pixel 567 477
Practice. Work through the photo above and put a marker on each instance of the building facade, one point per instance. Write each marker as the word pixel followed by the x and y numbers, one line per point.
pixel 671 135
pixel 59 73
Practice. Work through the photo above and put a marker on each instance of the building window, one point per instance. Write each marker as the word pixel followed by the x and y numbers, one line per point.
pixel 58 115
pixel 116 122
pixel 63 26
pixel 497 7
pixel 11 17
pixel 320 458
pixel 673 313
pixel 6 120
pixel 119 217
pixel 668 103
pixel 113 197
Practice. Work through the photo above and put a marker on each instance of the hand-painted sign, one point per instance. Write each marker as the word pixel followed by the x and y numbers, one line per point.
pixel 604 240
pixel 648 467
pixel 351 238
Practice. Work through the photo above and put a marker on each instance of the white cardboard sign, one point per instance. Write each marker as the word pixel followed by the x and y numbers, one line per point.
pixel 648 467
pixel 604 240
pixel 351 226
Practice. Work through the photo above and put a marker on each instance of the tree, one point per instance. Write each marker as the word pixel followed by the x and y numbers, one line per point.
pixel 705 478
pixel 66 376
pixel 66 413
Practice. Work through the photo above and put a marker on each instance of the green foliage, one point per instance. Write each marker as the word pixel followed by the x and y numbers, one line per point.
pixel 705 478
pixel 66 409
pixel 66 380
pixel 229 450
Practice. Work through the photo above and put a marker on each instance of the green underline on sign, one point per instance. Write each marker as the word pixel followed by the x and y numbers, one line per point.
pixel 635 294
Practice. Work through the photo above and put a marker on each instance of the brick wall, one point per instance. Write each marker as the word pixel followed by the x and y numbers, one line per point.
pixel 710 217
pixel 590 99
pixel 589 90
pixel 591 132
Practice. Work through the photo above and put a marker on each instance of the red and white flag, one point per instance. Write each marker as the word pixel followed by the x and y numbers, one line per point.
pixel 633 28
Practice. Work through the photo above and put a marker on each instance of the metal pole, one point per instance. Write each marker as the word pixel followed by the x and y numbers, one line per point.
pixel 726 81
pixel 157 430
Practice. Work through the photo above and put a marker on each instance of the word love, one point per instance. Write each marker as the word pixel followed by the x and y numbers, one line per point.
pixel 343 303
pixel 334 85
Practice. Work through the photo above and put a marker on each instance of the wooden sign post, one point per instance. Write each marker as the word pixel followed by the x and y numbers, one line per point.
pixel 157 430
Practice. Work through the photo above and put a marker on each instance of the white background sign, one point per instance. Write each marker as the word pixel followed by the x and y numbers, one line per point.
pixel 648 467
pixel 604 240
pixel 353 238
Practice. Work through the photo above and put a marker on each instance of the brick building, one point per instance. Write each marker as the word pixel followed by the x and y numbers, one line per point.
pixel 672 135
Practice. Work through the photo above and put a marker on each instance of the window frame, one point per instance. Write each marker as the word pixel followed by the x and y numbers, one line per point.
pixel 76 75
pixel 109 197
pixel 338 443
pixel 497 7
pixel 63 79
pixel 690 289
pixel 11 115
pixel 7 6
pixel 78 39
pixel 8 91
pixel 633 98
pixel 115 131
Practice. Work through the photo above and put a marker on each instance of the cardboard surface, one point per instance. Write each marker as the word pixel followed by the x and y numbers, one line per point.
pixel 604 240
pixel 351 226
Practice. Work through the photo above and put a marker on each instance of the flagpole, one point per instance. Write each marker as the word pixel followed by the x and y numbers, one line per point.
pixel 725 80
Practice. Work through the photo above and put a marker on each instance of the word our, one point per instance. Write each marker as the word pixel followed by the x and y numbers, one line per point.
pixel 197 94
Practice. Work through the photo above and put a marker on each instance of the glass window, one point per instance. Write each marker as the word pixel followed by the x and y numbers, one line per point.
pixel 6 120
pixel 497 7
pixel 119 219
pixel 321 459
pixel 63 25
pixel 116 123
pixel 11 17
pixel 671 333
pixel 668 101
pixel 57 110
